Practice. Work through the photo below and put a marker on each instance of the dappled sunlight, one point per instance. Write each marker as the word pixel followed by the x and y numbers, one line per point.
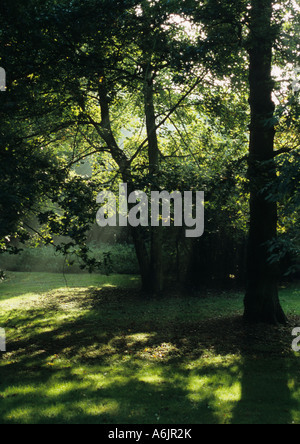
pixel 294 388
pixel 97 409
pixel 138 338
pixel 35 285
pixel 215 382
pixel 83 355
pixel 232 392
pixel 127 390
pixel 161 352
pixel 18 300
pixel 59 389
pixel 152 379
pixel 209 358
pixel 295 414
pixel 103 377
pixel 149 224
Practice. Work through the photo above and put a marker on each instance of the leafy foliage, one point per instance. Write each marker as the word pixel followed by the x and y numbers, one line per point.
pixel 73 117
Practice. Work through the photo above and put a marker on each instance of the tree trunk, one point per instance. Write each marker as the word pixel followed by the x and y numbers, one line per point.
pixel 261 300
pixel 156 264
pixel 142 257
pixel 105 131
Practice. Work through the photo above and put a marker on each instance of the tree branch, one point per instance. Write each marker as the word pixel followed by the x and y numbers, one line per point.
pixel 172 110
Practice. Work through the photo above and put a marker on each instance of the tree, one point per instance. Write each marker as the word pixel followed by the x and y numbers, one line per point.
pixel 261 300
pixel 81 74
pixel 78 67
pixel 27 173
pixel 258 39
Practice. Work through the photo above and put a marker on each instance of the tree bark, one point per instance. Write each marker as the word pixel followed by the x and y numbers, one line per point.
pixel 261 300
pixel 156 265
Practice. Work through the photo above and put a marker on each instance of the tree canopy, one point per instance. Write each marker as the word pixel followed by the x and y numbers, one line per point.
pixel 155 94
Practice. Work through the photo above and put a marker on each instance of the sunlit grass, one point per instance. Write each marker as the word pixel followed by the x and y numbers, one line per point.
pixel 77 355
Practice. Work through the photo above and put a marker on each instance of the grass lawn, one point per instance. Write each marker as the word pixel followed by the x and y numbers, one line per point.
pixel 91 350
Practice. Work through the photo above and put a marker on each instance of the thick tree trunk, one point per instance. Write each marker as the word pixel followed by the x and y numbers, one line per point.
pixel 261 300
pixel 143 258
pixel 156 264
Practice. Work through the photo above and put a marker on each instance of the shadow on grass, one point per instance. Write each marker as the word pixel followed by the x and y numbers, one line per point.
pixel 270 373
pixel 117 360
